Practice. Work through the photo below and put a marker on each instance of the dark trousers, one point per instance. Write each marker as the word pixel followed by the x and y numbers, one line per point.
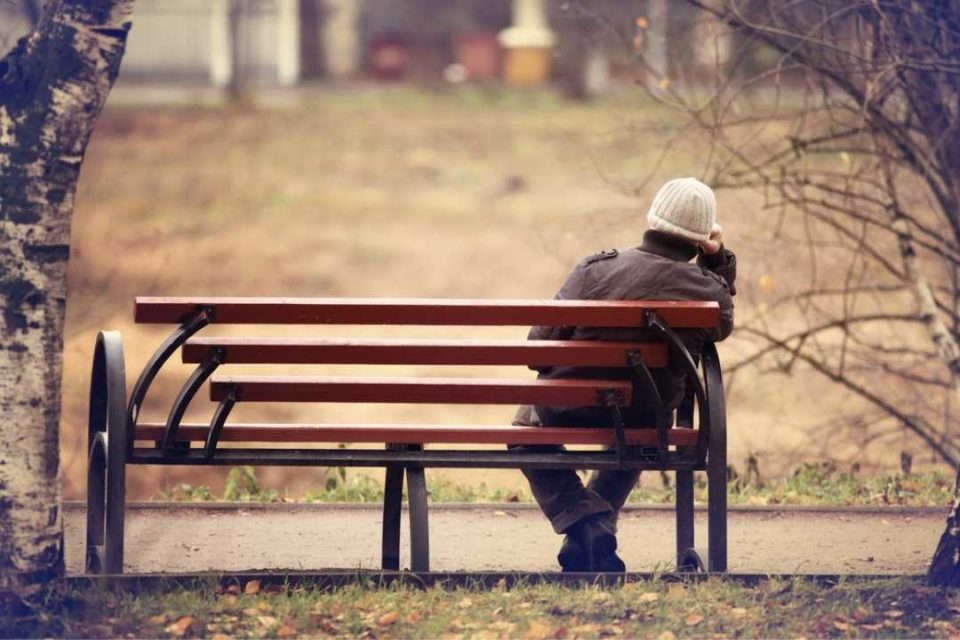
pixel 561 494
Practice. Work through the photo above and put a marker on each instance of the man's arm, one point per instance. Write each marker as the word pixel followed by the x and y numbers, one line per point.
pixel 714 257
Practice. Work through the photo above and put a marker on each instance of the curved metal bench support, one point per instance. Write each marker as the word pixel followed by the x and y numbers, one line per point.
pixel 189 327
pixel 716 461
pixel 187 392
pixel 679 350
pixel 107 445
pixel 217 422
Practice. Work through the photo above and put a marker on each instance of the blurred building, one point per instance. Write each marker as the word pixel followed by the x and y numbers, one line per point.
pixel 584 45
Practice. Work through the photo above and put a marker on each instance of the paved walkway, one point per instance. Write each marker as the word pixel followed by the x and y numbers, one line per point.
pixel 232 537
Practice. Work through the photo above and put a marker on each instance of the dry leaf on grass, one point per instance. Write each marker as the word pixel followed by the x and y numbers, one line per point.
pixel 252 588
pixel 538 631
pixel 286 631
pixel 185 627
pixel 466 603
pixel 840 625
pixel 666 635
pixel 266 621
pixel 413 616
pixel 893 614
pixel 388 618
pixel 693 619
pixel 649 596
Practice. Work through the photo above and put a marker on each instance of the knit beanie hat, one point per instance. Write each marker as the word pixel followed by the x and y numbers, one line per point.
pixel 684 207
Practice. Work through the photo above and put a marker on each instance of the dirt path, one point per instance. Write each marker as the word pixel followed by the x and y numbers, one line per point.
pixel 492 537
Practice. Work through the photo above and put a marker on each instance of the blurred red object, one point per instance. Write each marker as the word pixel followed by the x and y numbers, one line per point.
pixel 479 53
pixel 390 56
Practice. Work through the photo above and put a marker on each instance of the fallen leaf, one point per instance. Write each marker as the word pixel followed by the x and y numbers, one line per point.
pixel 694 619
pixel 185 627
pixel 159 619
pixel 233 589
pixel 413 616
pixel 466 603
pixel 871 627
pixel 266 621
pixel 840 625
pixel 388 618
pixel 861 614
pixel 219 636
pixel 274 589
pixel 538 631
pixel 649 596
pixel 738 612
pixel 252 588
pixel 286 631
pixel 666 635
pixel 893 614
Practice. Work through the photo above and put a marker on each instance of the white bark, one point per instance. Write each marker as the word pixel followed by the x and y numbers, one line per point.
pixel 52 87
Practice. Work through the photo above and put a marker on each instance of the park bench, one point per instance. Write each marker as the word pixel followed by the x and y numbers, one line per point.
pixel 693 439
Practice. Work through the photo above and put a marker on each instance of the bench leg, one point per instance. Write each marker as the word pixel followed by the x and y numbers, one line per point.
pixel 96 505
pixel 685 527
pixel 716 460
pixel 419 527
pixel 717 507
pixel 107 446
pixel 392 507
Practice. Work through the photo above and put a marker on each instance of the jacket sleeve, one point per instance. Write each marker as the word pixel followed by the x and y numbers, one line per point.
pixel 723 264
pixel 572 289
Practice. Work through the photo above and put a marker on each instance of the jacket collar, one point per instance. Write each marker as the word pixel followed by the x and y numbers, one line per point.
pixel 667 246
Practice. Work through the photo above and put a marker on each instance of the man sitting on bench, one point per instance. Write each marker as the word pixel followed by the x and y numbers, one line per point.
pixel 682 226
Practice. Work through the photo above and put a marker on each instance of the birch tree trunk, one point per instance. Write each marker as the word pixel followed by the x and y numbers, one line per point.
pixel 53 85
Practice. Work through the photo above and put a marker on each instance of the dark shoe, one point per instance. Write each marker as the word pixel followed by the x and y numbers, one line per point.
pixel 572 556
pixel 596 538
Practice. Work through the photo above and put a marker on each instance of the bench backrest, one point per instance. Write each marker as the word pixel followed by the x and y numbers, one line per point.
pixel 211 352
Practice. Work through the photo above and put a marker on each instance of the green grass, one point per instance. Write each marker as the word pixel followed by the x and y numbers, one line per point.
pixel 715 607
pixel 812 484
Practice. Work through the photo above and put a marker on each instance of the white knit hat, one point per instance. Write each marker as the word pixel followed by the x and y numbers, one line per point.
pixel 684 207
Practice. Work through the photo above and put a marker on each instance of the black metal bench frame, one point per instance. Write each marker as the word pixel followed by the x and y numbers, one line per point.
pixel 113 422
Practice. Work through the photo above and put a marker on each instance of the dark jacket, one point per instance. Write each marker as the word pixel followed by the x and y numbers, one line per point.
pixel 659 269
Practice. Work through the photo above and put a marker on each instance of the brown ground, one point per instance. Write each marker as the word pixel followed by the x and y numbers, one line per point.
pixel 401 193
pixel 505 537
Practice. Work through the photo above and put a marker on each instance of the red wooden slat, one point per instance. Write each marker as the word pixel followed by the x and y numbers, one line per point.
pixel 681 314
pixel 418 434
pixel 440 352
pixel 572 393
